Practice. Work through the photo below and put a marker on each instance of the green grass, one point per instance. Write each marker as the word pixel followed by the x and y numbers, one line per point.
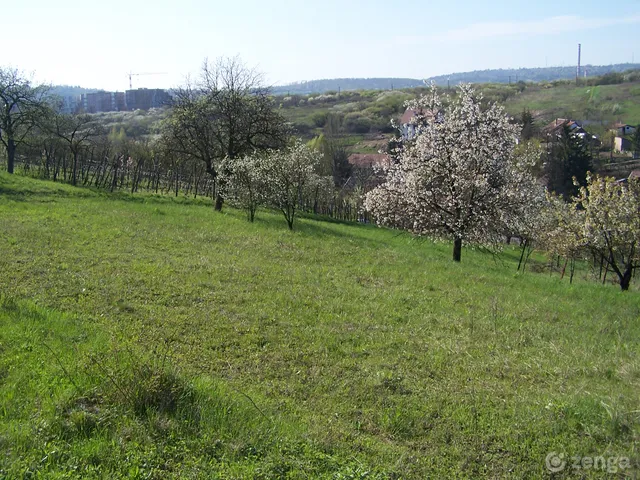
pixel 153 337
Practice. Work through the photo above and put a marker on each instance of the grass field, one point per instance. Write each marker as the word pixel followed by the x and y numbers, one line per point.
pixel 151 337
pixel 620 102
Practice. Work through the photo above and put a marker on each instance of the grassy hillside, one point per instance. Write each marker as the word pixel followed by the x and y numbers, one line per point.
pixel 607 102
pixel 151 337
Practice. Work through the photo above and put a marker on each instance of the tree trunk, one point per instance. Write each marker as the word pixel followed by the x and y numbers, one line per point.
pixel 573 269
pixel 457 249
pixel 625 279
pixel 11 154
pixel 75 168
pixel 218 203
pixel 564 268
pixel 524 248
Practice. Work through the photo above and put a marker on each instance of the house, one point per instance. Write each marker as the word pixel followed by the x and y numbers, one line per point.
pixel 624 129
pixel 555 129
pixel 621 145
pixel 411 121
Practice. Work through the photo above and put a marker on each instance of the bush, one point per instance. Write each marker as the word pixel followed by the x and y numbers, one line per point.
pixel 319 119
pixel 611 78
pixel 302 128
pixel 356 123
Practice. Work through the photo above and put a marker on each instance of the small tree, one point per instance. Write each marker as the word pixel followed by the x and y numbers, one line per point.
pixel 528 130
pixel 288 173
pixel 459 177
pixel 335 158
pixel 76 132
pixel 22 106
pixel 611 226
pixel 561 230
pixel 245 181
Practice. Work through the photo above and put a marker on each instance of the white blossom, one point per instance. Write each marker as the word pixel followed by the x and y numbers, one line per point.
pixel 460 177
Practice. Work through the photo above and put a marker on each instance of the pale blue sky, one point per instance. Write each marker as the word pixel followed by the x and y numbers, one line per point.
pixel 94 44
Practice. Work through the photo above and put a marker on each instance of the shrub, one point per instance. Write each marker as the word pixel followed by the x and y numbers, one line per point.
pixel 319 119
pixel 302 128
pixel 356 123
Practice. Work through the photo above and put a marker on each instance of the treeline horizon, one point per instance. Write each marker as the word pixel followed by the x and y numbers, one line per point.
pixel 495 75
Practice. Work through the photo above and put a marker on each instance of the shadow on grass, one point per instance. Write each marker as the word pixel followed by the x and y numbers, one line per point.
pixel 322 228
pixel 23 188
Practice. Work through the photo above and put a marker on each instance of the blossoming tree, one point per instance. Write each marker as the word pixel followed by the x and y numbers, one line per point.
pixel 459 178
pixel 611 226
pixel 289 173
pixel 245 181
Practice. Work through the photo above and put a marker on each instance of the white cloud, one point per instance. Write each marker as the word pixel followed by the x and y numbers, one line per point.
pixel 547 26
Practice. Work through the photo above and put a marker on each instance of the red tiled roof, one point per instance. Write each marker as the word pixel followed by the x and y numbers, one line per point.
pixel 556 124
pixel 409 114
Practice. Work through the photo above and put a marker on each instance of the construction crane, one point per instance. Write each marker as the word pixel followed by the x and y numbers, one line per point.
pixel 138 74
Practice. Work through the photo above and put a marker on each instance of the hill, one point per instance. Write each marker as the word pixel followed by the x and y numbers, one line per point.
pixel 539 74
pixel 150 337
pixel 509 75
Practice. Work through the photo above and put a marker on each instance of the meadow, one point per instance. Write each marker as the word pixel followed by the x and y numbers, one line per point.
pixel 151 337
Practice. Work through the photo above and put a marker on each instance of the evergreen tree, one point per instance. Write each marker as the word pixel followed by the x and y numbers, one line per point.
pixel 528 128
pixel 568 156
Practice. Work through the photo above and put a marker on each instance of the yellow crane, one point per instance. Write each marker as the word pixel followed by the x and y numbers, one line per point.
pixel 131 75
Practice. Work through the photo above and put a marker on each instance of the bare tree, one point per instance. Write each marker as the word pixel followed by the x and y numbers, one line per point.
pixel 21 107
pixel 228 113
pixel 76 131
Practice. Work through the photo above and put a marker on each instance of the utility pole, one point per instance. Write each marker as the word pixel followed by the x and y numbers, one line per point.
pixel 578 69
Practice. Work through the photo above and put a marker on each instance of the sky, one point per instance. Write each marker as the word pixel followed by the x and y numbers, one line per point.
pixel 96 44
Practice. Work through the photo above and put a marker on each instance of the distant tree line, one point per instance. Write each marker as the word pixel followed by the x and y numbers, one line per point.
pixel 540 74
